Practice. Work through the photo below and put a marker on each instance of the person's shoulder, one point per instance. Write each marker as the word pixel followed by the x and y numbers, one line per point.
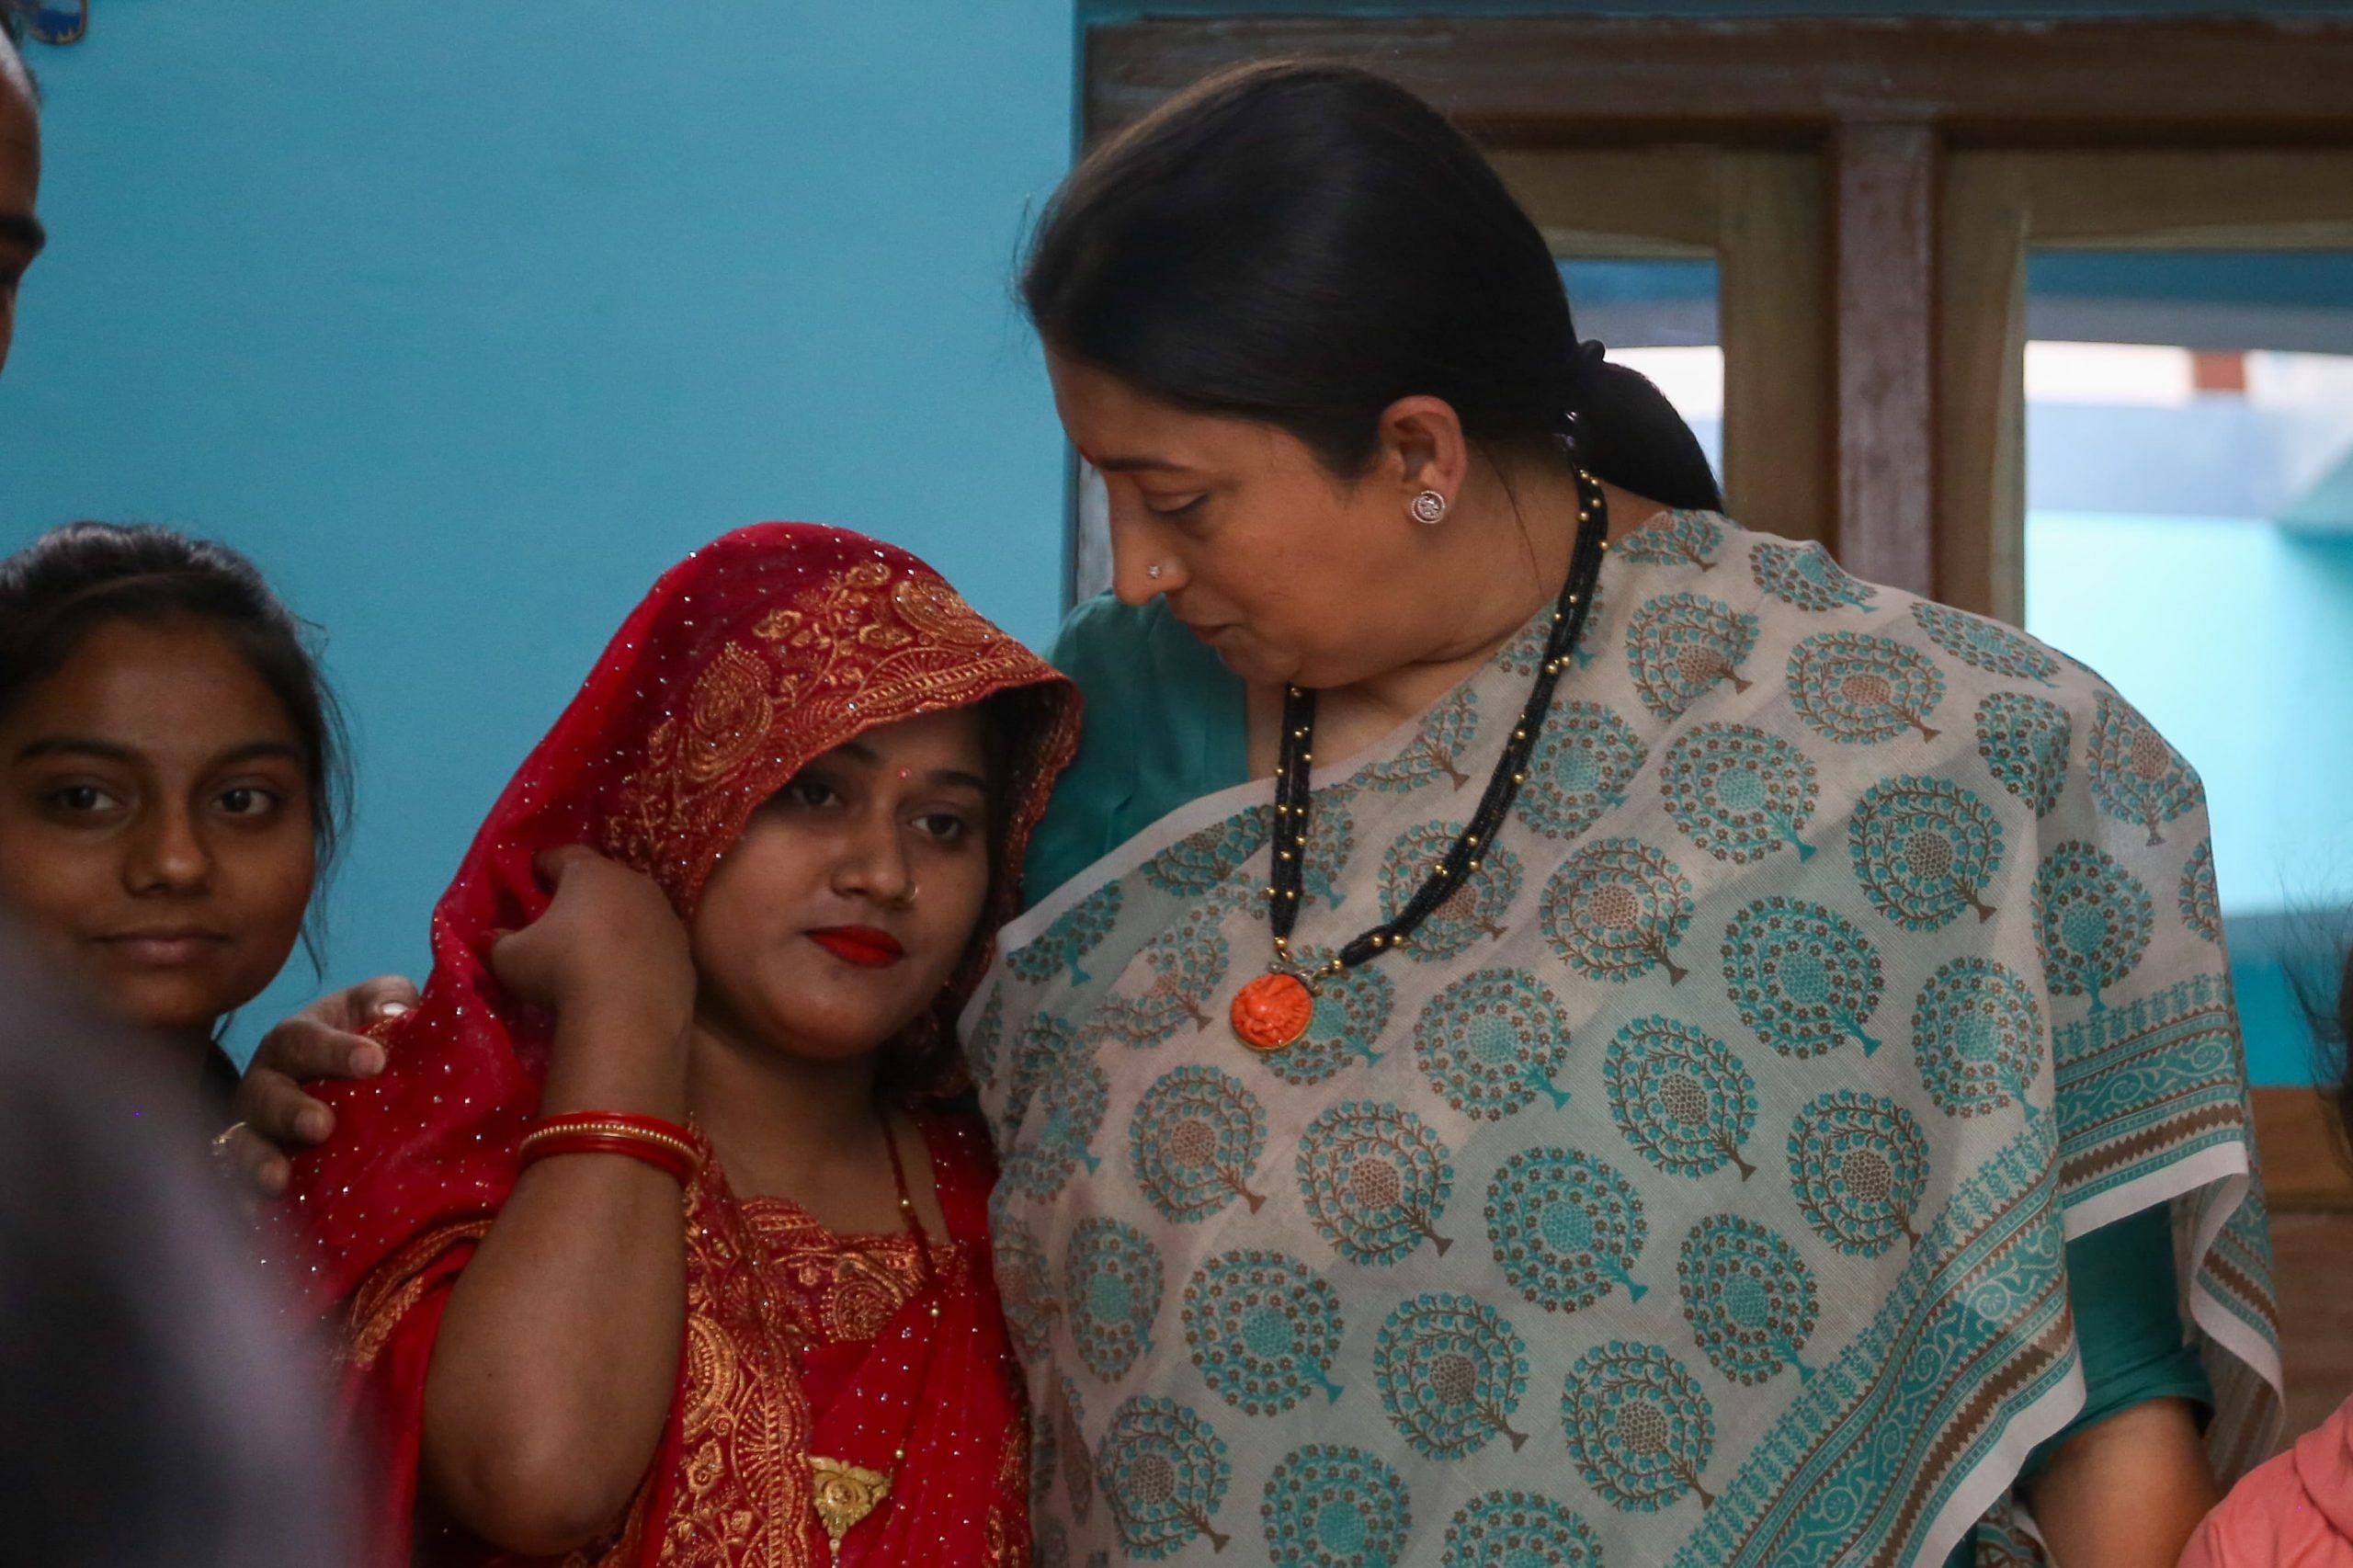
pixel 2282 1510
pixel 1800 584
pixel 1103 632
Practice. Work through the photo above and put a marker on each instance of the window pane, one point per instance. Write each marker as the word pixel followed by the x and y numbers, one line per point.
pixel 2190 535
pixel 1659 317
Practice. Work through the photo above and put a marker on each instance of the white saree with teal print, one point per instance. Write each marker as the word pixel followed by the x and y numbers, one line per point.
pixel 1693 1187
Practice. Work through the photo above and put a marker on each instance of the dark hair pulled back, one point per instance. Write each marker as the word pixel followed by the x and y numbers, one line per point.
pixel 75 579
pixel 1304 244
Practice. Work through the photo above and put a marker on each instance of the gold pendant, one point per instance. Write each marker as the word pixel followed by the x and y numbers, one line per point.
pixel 1272 1011
pixel 844 1494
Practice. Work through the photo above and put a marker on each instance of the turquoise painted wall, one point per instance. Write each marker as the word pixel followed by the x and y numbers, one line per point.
pixel 464 324
pixel 2235 637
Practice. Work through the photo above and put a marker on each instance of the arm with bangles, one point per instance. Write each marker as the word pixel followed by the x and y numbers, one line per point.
pixel 556 1363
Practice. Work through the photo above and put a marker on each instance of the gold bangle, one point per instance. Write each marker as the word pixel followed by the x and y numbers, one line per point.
pixel 622 1129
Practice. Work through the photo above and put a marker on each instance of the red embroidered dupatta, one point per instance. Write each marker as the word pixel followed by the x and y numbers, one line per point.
pixel 748 659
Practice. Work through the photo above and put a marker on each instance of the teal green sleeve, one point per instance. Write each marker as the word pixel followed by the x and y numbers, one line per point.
pixel 1162 726
pixel 2128 1323
pixel 2128 1326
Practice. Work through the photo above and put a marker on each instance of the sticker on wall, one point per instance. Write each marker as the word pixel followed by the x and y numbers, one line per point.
pixel 51 21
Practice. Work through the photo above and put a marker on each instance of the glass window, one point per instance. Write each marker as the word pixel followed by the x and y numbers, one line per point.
pixel 2190 535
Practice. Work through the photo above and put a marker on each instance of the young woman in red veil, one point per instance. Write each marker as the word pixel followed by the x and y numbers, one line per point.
pixel 643 1247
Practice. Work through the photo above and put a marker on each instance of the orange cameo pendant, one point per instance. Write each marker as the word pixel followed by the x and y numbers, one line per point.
pixel 1272 1011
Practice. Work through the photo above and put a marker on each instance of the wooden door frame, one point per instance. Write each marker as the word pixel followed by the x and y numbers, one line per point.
pixel 1886 100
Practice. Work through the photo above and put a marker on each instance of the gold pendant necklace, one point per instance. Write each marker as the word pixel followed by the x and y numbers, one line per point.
pixel 844 1493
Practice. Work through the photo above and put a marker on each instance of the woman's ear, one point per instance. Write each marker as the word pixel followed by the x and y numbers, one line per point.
pixel 1422 446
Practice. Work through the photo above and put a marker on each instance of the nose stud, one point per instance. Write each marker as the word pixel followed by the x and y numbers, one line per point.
pixel 1153 571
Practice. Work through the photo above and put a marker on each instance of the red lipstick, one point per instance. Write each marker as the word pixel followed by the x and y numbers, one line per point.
pixel 862 945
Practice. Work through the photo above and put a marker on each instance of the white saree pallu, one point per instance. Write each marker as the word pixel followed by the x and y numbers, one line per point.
pixel 1693 1186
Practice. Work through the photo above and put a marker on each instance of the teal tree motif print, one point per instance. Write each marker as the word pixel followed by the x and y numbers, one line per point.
pixel 1204 859
pixel 1680 646
pixel 1076 1097
pixel 1492 1041
pixel 1801 976
pixel 1988 644
pixel 1923 850
pixel 1193 1141
pixel 1376 1180
pixel 1749 1298
pixel 1859 1164
pixel 1524 651
pixel 1585 757
pixel 2136 776
pixel 1078 931
pixel 1680 1096
pixel 1184 963
pixel 1331 839
pixel 1044 1041
pixel 1330 1507
pixel 1164 1472
pixel 1565 1228
pixel 1979 1037
pixel 1263 1330
pixel 1640 1427
pixel 1672 538
pixel 1861 688
pixel 1805 578
pixel 1519 1530
pixel 2201 900
pixel 1021 1273
pixel 1615 908
pixel 1475 909
pixel 1112 1289
pixel 1739 792
pixel 1436 751
pixel 1352 1008
pixel 1452 1373
pixel 988 1038
pixel 2024 741
pixel 2091 920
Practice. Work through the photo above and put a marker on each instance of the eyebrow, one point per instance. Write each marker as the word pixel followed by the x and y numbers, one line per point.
pixel 22 230
pixel 1137 465
pixel 940 776
pixel 114 751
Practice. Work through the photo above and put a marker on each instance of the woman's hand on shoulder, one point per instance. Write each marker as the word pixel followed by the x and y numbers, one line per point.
pixel 609 941
pixel 325 1040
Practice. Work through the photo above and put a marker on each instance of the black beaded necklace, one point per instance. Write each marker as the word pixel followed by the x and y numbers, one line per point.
pixel 1276 1009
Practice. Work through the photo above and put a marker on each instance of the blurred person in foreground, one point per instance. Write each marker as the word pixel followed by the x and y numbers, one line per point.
pixel 151 1412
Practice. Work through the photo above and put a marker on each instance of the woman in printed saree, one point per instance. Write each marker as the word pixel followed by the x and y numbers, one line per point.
pixel 1557 1029
pixel 643 1245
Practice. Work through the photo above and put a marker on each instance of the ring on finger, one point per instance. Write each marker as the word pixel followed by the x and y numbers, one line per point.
pixel 224 1137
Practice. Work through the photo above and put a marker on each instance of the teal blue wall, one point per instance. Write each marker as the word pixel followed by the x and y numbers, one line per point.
pixel 465 321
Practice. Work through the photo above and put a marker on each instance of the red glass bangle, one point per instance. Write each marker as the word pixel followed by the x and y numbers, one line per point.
pixel 663 1144
pixel 666 1155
